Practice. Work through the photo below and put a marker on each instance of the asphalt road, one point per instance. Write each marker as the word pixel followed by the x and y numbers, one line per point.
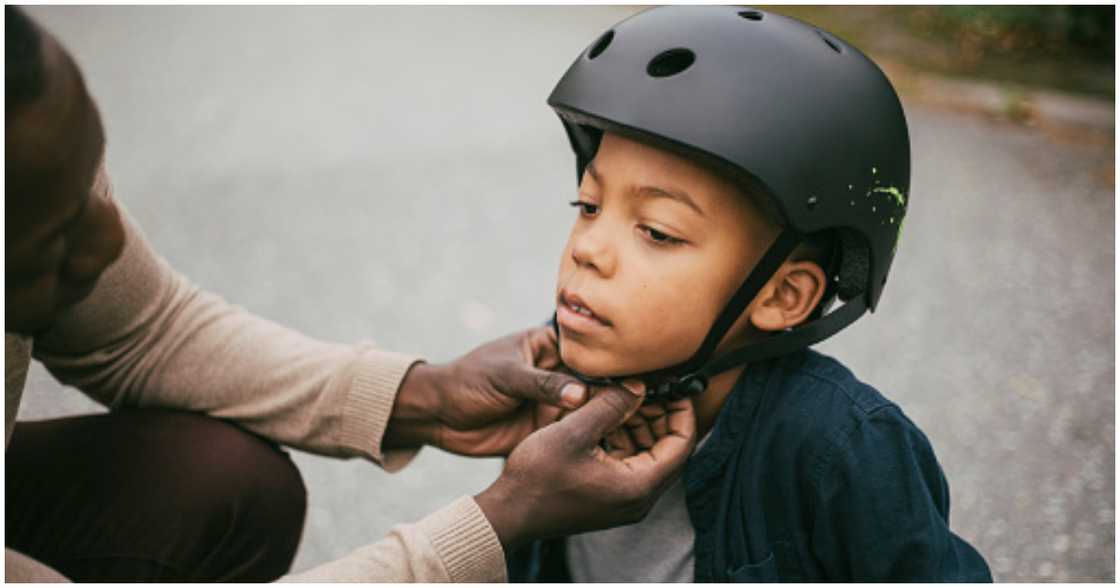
pixel 394 174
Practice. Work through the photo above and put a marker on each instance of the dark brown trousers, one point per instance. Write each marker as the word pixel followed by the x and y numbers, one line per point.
pixel 152 495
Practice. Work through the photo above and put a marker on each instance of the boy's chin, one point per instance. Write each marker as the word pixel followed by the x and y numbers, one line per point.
pixel 591 363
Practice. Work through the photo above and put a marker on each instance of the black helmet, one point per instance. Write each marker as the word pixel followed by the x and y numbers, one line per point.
pixel 774 103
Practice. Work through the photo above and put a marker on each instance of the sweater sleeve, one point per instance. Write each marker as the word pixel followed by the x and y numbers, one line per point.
pixel 148 337
pixel 882 508
pixel 455 544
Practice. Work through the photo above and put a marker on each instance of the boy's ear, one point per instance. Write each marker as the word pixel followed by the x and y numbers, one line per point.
pixel 789 297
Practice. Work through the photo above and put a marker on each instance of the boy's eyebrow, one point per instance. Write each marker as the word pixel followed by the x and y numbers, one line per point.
pixel 678 195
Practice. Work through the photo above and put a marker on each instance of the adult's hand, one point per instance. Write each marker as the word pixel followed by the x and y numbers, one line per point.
pixel 486 402
pixel 561 481
pixel 642 430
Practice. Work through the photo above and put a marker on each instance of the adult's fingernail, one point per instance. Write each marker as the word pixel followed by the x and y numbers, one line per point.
pixel 572 395
pixel 635 387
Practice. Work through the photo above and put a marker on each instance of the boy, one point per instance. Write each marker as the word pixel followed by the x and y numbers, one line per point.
pixel 740 172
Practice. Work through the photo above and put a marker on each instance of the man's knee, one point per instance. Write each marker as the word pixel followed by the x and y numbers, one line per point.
pixel 256 499
pixel 187 497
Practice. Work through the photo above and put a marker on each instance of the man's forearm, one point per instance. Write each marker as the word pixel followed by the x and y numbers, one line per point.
pixel 454 544
pixel 146 336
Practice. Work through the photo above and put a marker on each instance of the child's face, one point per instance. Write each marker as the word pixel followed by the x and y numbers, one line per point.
pixel 659 246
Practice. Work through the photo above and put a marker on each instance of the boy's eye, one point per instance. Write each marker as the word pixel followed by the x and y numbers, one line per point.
pixel 658 237
pixel 585 208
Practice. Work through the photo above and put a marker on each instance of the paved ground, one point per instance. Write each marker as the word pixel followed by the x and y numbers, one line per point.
pixel 394 174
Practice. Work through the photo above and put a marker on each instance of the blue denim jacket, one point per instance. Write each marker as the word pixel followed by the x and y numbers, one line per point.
pixel 809 474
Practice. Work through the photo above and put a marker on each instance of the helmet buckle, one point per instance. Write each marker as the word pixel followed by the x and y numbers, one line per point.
pixel 678 388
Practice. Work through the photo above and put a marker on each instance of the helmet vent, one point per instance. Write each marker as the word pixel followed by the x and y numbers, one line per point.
pixel 827 41
pixel 601 45
pixel 751 15
pixel 670 63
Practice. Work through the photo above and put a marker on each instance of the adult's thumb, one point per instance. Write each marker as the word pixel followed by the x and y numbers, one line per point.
pixel 551 387
pixel 605 412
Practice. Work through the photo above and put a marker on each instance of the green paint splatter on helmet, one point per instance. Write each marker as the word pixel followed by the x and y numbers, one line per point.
pixel 900 199
pixel 898 195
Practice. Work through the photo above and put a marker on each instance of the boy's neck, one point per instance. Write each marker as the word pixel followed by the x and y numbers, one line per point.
pixel 708 404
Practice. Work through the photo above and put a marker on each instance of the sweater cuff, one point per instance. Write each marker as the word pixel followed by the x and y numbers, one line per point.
pixel 465 542
pixel 373 391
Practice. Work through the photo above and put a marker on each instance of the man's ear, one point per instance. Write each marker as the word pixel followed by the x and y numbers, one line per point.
pixel 789 297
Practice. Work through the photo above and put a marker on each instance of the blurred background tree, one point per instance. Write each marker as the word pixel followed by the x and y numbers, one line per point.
pixel 1021 32
pixel 1069 48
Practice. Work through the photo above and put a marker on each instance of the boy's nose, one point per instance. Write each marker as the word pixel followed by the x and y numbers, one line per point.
pixel 592 252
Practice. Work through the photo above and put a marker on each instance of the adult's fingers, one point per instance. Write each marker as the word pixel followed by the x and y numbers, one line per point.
pixel 669 453
pixel 640 431
pixel 648 424
pixel 540 348
pixel 526 382
pixel 620 444
pixel 656 416
pixel 605 412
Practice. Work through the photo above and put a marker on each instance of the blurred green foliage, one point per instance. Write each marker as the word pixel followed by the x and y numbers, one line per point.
pixel 1023 32
pixel 1069 48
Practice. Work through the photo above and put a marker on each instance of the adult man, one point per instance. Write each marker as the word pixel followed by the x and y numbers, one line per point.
pixel 158 494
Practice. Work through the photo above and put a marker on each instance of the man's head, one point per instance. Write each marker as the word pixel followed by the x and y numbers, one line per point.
pixel 659 245
pixel 60 232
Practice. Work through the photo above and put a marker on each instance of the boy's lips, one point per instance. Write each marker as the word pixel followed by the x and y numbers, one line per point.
pixel 573 313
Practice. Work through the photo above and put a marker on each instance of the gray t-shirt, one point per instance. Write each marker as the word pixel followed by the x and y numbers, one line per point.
pixel 656 549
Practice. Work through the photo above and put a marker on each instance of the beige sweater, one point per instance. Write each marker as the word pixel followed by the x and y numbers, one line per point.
pixel 147 337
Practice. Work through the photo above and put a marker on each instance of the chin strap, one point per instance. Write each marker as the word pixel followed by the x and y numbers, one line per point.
pixel 787 342
pixel 691 377
pixel 773 259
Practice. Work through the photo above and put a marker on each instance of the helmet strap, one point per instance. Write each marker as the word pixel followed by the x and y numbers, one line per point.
pixel 797 338
pixel 690 378
pixel 773 259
